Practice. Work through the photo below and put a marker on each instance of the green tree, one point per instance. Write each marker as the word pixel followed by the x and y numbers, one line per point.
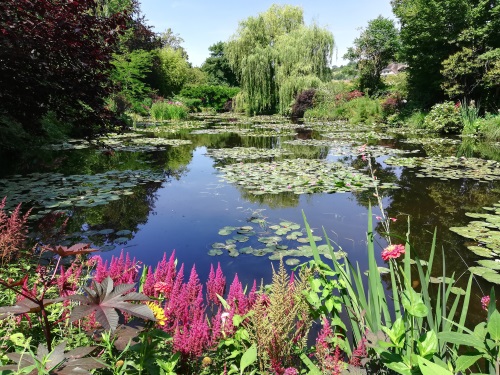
pixel 171 71
pixel 428 31
pixel 130 73
pixel 373 50
pixel 274 56
pixel 474 70
pixel 217 67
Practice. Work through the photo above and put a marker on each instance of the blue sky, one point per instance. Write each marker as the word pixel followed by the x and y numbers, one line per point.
pixel 202 23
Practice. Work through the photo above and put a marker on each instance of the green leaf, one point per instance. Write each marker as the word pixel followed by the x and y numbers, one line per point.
pixel 493 326
pixel 461 339
pixel 429 368
pixel 249 357
pixel 465 361
pixel 428 344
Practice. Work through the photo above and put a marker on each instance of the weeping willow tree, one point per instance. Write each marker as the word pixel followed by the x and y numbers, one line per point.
pixel 275 56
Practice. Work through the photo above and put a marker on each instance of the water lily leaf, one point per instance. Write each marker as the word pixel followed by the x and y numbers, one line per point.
pixel 492 264
pixel 123 232
pixel 106 231
pixel 479 271
pixel 481 251
pixel 241 238
pixel 292 261
pixel 492 277
pixel 121 240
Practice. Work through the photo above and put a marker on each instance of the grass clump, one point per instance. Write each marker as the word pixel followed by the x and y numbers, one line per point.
pixel 168 110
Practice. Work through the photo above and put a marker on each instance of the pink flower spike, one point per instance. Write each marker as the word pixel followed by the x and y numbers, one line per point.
pixel 393 252
pixel 485 301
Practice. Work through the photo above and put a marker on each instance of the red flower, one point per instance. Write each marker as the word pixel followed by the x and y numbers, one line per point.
pixel 485 301
pixel 393 251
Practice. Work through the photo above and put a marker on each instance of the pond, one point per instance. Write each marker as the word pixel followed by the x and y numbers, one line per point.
pixel 229 189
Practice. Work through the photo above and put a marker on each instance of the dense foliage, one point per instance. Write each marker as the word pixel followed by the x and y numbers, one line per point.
pixel 217 68
pixel 215 97
pixel 373 50
pixel 56 56
pixel 451 48
pixel 275 56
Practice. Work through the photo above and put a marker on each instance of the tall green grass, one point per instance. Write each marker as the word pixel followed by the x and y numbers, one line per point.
pixel 167 110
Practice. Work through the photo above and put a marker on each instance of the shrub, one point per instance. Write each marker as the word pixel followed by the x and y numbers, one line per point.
pixel 303 102
pixel 392 104
pixel 168 110
pixel 210 96
pixel 444 118
pixel 12 232
pixel 489 127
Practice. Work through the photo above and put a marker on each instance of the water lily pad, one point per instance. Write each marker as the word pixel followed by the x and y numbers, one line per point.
pixel 491 264
pixel 107 247
pixel 292 262
pixel 121 240
pixel 241 238
pixel 106 231
pixel 123 232
pixel 214 252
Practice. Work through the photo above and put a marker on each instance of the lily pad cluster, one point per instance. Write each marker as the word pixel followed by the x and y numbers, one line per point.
pixel 144 144
pixel 486 232
pixel 357 136
pixel 54 191
pixel 246 153
pixel 349 147
pixel 299 176
pixel 286 239
pixel 450 167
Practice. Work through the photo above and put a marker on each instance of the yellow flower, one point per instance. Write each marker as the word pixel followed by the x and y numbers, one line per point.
pixel 158 313
pixel 207 361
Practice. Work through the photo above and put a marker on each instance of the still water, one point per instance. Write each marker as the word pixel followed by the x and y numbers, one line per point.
pixel 183 201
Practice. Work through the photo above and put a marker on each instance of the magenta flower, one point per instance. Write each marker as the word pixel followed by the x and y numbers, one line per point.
pixel 393 252
pixel 485 301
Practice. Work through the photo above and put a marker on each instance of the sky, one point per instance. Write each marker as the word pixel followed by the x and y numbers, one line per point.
pixel 202 23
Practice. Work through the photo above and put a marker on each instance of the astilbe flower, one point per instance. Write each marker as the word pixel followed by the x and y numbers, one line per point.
pixel 216 285
pixel 392 252
pixel 162 279
pixel 330 360
pixel 12 231
pixel 121 270
pixel 67 280
pixel 359 353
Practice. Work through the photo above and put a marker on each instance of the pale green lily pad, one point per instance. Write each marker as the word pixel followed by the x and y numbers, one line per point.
pixel 241 238
pixel 123 232
pixel 481 251
pixel 214 252
pixel 440 279
pixel 121 240
pixel 491 264
pixel 292 262
pixel 106 231
pixel 492 277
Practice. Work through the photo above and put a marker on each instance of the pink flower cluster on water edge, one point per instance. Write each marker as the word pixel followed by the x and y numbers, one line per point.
pixel 185 305
pixel 393 252
pixel 121 270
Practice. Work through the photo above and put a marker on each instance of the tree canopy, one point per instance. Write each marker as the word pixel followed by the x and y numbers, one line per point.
pixel 55 55
pixel 373 50
pixel 217 67
pixel 275 55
